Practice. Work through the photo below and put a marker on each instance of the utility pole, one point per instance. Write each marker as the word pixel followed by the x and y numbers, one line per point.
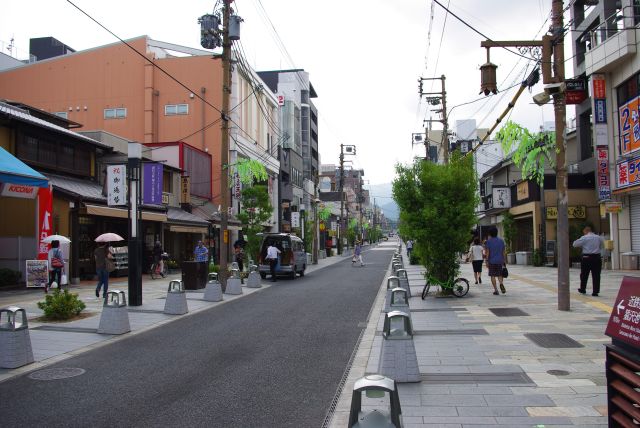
pixel 435 98
pixel 560 109
pixel 341 198
pixel 445 123
pixel 224 145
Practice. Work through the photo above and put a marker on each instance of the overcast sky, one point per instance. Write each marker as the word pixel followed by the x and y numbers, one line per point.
pixel 364 57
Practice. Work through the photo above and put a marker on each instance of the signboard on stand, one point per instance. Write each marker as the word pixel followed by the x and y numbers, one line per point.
pixel 37 273
pixel 624 322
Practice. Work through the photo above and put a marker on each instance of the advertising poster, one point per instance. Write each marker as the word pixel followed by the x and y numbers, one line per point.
pixel 37 273
pixel 628 172
pixel 116 185
pixel 624 322
pixel 629 123
pixel 604 184
pixel 45 210
pixel 152 183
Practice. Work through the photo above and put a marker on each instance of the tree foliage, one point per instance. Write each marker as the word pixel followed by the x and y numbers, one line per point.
pixel 437 210
pixel 249 171
pixel 530 150
pixel 256 209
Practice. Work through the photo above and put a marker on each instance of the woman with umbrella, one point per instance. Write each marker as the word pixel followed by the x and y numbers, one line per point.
pixel 103 258
pixel 55 260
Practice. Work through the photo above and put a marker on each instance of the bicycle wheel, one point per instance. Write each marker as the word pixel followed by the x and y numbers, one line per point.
pixel 165 270
pixel 425 290
pixel 460 287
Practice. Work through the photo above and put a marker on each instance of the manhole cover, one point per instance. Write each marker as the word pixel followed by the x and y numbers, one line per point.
pixel 558 372
pixel 553 340
pixel 56 374
pixel 508 312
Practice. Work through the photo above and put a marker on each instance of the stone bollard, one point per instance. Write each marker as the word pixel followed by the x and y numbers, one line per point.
pixel 213 291
pixel 176 303
pixel 15 342
pixel 375 387
pixel 404 280
pixel 392 282
pixel 234 284
pixel 115 317
pixel 253 280
pixel 398 359
pixel 399 300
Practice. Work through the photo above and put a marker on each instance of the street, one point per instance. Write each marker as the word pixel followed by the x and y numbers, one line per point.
pixel 273 358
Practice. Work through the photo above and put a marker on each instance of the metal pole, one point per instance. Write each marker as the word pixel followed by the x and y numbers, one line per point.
pixel 224 146
pixel 134 250
pixel 341 198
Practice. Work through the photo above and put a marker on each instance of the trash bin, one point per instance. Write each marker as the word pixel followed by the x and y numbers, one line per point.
pixel 629 261
pixel 194 275
pixel 524 258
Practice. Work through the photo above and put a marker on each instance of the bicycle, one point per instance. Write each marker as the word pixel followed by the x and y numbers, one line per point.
pixel 155 272
pixel 459 286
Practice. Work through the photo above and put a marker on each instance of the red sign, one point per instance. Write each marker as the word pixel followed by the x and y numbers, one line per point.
pixel 19 191
pixel 599 88
pixel 280 100
pixel 575 97
pixel 624 323
pixel 45 210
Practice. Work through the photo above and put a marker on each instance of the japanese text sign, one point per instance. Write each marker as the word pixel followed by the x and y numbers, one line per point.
pixel 602 166
pixel 600 111
pixel 628 172
pixel 599 88
pixel 152 183
pixel 45 213
pixel 116 185
pixel 624 322
pixel 629 123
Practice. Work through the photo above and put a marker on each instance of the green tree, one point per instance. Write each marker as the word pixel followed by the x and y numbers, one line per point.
pixel 437 209
pixel 256 209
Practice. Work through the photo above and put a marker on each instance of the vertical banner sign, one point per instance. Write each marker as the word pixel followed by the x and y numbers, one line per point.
pixel 604 184
pixel 45 210
pixel 600 111
pixel 295 219
pixel 599 88
pixel 237 186
pixel 629 123
pixel 185 190
pixel 116 182
pixel 152 182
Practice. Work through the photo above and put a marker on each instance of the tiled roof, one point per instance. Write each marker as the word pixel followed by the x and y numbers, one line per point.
pixel 177 215
pixel 23 116
pixel 76 186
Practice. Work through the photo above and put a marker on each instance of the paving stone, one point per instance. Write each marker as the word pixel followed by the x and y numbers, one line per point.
pixel 569 411
pixel 518 400
pixel 438 410
pixel 493 411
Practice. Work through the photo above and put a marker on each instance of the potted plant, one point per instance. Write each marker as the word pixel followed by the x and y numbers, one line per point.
pixel 172 266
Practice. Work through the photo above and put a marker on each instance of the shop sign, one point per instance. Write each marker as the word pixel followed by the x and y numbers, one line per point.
pixel 629 123
pixel 600 111
pixel 18 191
pixel 237 186
pixel 613 207
pixel 579 211
pixel 501 197
pixel 295 219
pixel 523 190
pixel 601 135
pixel 280 100
pixel 165 198
pixel 152 183
pixel 45 211
pixel 116 182
pixel 185 190
pixel 628 172
pixel 624 322
pixel 604 183
pixel 334 225
pixel 576 91
pixel 599 87
pixel 37 273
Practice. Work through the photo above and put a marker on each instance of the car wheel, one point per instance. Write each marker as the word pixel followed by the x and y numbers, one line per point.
pixel 292 275
pixel 303 269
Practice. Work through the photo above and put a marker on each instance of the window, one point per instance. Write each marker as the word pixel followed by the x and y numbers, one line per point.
pixel 176 109
pixel 115 113
pixel 62 114
pixel 166 181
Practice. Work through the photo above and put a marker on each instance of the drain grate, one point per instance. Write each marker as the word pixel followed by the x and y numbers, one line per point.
pixel 553 340
pixel 558 372
pixel 146 311
pixel 474 378
pixel 508 312
pixel 57 373
pixel 65 329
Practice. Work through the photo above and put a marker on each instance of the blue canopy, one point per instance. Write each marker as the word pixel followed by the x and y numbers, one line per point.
pixel 14 171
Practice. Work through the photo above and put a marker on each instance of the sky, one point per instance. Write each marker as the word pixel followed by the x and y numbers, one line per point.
pixel 364 57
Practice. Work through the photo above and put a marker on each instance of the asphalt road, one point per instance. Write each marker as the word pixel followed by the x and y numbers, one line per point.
pixel 271 359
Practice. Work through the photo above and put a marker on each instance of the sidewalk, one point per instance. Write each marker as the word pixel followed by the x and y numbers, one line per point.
pixel 479 369
pixel 56 341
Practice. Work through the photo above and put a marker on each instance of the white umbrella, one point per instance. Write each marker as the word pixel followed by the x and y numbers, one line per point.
pixel 109 237
pixel 63 239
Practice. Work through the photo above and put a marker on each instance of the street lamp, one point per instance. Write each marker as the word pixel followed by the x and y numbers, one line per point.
pixel 134 155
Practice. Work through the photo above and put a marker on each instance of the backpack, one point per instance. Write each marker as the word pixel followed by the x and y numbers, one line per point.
pixel 56 260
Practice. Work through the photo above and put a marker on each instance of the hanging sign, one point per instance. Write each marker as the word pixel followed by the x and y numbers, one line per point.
pixel 613 207
pixel 579 211
pixel 576 91
pixel 295 219
pixel 600 111
pixel 602 164
pixel 116 181
pixel 624 322
pixel 237 186
pixel 629 123
pixel 45 211
pixel 18 191
pixel 152 183
pixel 599 86
pixel 185 190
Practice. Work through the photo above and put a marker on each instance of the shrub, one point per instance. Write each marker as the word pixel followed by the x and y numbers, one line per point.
pixel 172 264
pixel 538 257
pixel 9 277
pixel 214 268
pixel 61 305
pixel 414 260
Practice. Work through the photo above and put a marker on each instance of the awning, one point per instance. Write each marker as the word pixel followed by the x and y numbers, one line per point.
pixel 122 213
pixel 229 227
pixel 188 229
pixel 14 171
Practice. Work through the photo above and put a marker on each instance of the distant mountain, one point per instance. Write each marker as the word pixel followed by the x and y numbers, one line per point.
pixel 382 193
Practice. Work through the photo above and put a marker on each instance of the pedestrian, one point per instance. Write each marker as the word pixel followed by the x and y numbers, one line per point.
pixel 56 265
pixel 101 255
pixel 157 258
pixel 409 249
pixel 476 255
pixel 496 259
pixel 591 261
pixel 272 258
pixel 238 248
pixel 201 252
pixel 357 254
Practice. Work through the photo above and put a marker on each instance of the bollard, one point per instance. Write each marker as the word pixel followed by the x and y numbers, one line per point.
pixel 115 317
pixel 176 303
pixel 375 387
pixel 15 342
pixel 404 280
pixel 399 299
pixel 234 284
pixel 398 358
pixel 213 291
pixel 235 266
pixel 213 276
pixel 253 280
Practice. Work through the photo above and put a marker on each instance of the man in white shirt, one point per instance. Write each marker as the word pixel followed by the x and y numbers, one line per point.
pixel 592 245
pixel 272 258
